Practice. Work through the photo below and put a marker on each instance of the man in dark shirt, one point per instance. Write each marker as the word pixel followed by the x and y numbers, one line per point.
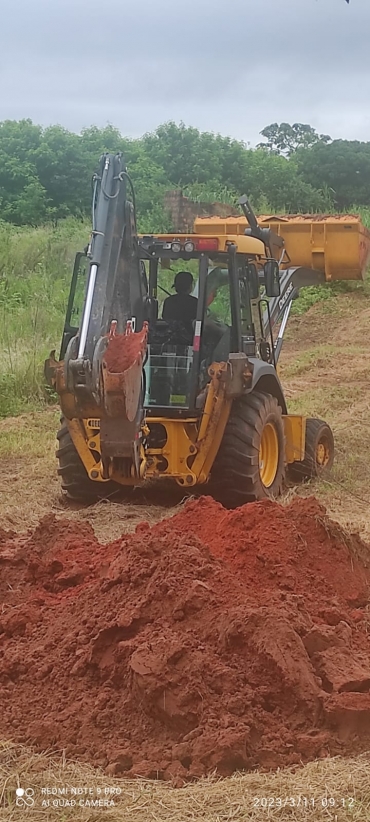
pixel 181 306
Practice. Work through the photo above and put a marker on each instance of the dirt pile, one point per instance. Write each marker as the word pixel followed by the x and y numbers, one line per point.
pixel 123 351
pixel 213 640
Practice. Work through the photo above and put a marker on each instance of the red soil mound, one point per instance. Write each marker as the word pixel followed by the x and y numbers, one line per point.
pixel 213 640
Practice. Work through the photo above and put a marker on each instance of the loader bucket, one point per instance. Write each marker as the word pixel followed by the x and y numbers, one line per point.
pixel 339 246
pixel 336 245
pixel 122 371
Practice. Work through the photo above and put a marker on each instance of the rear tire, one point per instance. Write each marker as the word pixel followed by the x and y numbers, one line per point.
pixel 75 479
pixel 250 464
pixel 319 452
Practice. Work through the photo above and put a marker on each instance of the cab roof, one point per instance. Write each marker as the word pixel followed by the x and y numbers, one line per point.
pixel 218 242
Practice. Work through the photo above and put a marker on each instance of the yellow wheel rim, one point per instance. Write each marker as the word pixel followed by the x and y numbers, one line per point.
pixel 269 455
pixel 322 453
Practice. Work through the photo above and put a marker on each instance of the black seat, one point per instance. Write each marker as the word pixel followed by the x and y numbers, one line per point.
pixel 171 333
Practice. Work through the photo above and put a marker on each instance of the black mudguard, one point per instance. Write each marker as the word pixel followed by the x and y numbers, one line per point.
pixel 265 379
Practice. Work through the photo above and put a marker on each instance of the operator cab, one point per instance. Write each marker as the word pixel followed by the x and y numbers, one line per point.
pixel 226 297
pixel 228 313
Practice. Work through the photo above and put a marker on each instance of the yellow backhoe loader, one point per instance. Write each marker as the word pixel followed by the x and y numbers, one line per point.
pixel 195 400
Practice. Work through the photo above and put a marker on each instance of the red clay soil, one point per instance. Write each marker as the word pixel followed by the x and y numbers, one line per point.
pixel 123 351
pixel 215 640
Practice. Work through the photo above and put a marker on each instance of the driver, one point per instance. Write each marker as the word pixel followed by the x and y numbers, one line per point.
pixel 181 306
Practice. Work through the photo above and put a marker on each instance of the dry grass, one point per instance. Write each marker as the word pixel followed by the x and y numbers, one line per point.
pixel 331 789
pixel 30 488
pixel 325 371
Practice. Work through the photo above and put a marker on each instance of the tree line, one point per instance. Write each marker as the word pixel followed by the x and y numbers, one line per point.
pixel 45 173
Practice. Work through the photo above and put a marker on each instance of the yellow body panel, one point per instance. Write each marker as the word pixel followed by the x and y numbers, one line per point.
pixel 188 454
pixel 245 245
pixel 337 245
pixel 178 449
pixel 190 449
pixel 295 437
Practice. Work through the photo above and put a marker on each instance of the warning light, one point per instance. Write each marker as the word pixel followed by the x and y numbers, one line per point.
pixel 207 244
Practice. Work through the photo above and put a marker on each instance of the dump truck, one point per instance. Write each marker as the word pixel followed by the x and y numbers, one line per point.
pixel 197 402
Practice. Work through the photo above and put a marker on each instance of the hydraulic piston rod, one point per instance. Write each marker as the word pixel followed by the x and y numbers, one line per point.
pixel 280 336
pixel 87 311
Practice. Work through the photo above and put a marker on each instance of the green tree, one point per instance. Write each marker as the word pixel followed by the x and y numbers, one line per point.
pixel 64 172
pixel 19 138
pixel 343 166
pixel 185 153
pixel 276 179
pixel 23 198
pixel 46 173
pixel 96 141
pixel 199 161
pixel 285 139
pixel 150 185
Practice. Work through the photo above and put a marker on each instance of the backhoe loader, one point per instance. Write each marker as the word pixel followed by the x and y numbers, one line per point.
pixel 197 402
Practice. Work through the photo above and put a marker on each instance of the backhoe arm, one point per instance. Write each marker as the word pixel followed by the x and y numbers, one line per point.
pixel 114 291
pixel 102 373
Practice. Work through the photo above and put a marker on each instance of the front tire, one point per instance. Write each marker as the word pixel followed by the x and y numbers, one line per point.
pixel 75 479
pixel 250 464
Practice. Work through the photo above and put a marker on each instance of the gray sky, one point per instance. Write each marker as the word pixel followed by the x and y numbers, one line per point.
pixel 231 66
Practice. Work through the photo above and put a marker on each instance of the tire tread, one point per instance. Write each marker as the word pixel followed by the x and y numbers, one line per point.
pixel 235 477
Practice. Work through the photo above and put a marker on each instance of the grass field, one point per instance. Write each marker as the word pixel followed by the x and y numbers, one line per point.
pixel 324 370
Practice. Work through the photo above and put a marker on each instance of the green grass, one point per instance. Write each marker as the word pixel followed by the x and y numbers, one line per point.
pixel 325 293
pixel 318 356
pixel 324 400
pixel 35 273
pixel 32 435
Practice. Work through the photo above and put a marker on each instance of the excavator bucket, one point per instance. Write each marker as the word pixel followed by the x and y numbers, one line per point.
pixel 336 245
pixel 122 368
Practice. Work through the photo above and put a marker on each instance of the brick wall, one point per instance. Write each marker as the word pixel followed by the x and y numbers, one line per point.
pixel 184 211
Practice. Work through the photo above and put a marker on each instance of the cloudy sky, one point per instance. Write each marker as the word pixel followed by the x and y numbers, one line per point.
pixel 230 66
